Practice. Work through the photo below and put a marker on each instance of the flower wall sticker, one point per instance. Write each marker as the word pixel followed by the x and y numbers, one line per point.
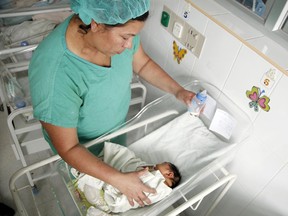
pixel 258 99
pixel 178 52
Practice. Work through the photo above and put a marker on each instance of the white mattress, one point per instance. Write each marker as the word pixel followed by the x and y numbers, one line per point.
pixel 185 141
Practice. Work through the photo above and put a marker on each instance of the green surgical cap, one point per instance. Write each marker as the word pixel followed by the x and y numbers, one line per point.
pixel 109 12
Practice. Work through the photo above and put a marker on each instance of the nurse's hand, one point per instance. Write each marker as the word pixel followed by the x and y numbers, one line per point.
pixel 131 186
pixel 184 95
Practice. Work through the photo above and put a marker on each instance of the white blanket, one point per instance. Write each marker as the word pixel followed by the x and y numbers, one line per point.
pixel 106 197
pixel 185 142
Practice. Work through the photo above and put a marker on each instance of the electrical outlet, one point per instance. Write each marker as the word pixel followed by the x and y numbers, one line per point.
pixel 183 32
pixel 194 41
pixel 177 30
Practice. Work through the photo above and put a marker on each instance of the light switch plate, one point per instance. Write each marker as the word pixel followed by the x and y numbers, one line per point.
pixel 184 33
pixel 177 30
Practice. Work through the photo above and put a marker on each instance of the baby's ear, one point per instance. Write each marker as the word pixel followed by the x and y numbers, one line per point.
pixel 170 174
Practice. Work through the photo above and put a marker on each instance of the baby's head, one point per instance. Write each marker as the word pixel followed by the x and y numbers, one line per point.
pixel 170 172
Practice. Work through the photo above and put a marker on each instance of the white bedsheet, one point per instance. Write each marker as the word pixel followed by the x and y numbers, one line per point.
pixel 185 141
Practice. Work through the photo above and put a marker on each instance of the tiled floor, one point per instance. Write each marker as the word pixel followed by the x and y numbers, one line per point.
pixel 46 199
pixel 8 162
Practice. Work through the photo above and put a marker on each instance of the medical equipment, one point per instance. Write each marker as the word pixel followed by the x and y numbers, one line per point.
pixel 155 133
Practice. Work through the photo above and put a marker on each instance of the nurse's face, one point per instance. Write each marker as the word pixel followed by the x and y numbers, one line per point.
pixel 114 40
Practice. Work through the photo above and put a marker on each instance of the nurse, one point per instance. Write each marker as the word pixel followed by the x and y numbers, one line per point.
pixel 80 83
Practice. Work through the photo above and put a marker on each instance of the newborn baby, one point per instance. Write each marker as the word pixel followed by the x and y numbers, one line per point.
pixel 163 177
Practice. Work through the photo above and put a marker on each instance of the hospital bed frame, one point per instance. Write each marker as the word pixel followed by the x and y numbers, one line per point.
pixel 148 119
pixel 226 181
pixel 28 138
pixel 11 50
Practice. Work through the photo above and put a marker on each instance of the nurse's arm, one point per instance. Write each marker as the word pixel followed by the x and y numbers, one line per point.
pixel 150 71
pixel 65 141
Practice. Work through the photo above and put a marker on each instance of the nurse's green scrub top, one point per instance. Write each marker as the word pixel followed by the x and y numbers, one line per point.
pixel 70 92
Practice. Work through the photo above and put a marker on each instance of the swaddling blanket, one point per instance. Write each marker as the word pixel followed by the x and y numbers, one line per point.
pixel 106 197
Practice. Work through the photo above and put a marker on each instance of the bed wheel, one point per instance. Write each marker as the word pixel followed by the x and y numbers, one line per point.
pixel 34 189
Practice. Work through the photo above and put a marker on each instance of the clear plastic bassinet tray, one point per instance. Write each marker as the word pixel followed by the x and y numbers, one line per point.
pixel 154 136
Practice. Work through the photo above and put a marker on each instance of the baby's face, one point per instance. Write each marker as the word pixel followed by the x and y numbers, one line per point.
pixel 167 172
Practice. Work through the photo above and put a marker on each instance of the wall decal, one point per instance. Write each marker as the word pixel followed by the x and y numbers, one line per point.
pixel 185 14
pixel 178 52
pixel 186 11
pixel 258 99
pixel 269 78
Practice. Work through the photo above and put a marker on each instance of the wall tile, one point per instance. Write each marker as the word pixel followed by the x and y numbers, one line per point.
pixel 271 128
pixel 194 18
pixel 218 55
pixel 185 66
pixel 273 199
pixel 211 7
pixel 152 25
pixel 236 198
pixel 154 37
pixel 173 4
pixel 248 70
pixel 271 49
pixel 238 26
pixel 157 50
pixel 255 165
pixel 158 43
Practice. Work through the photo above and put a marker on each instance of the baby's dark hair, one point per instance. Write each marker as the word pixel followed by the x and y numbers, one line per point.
pixel 177 175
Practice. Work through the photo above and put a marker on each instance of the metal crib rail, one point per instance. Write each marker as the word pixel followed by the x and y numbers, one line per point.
pixel 132 127
pixel 14 12
pixel 12 183
pixel 228 179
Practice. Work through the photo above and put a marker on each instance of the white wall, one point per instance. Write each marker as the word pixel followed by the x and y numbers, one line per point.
pixel 227 62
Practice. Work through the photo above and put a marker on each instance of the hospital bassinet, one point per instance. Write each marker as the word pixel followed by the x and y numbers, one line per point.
pixel 56 196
